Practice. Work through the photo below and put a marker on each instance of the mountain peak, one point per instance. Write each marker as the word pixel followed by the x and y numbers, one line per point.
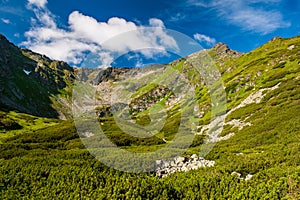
pixel 2 37
pixel 276 38
pixel 220 45
pixel 223 51
pixel 221 48
pixel 5 43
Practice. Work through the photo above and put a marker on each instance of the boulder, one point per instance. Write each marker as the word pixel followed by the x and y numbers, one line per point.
pixel 194 156
pixel 179 159
pixel 248 177
pixel 236 174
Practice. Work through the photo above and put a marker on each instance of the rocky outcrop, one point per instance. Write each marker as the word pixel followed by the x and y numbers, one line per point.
pixel 109 74
pixel 147 100
pixel 217 126
pixel 181 164
pixel 223 52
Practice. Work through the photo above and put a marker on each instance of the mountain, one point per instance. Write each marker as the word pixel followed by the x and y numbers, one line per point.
pixel 32 83
pixel 255 135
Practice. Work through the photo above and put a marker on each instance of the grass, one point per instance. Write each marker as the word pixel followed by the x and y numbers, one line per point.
pixel 26 124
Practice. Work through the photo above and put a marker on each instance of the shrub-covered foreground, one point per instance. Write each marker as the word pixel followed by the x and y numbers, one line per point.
pixel 51 163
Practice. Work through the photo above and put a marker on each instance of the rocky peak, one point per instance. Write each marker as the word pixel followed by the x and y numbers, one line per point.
pixel 222 51
pixel 221 47
pixel 7 49
pixel 276 38
pixel 10 57
pixel 3 38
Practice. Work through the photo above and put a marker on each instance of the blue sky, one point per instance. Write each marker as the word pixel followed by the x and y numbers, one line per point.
pixel 67 30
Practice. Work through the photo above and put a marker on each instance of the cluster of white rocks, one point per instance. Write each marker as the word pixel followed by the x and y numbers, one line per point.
pixel 247 178
pixel 181 164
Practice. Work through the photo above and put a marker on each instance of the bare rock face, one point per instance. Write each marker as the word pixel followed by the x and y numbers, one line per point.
pixel 223 51
pixel 275 38
pixel 109 74
pixel 147 100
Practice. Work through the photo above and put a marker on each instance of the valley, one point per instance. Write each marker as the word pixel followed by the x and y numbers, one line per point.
pixel 255 133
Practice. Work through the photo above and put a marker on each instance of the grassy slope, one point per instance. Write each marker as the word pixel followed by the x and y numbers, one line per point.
pixel 51 162
pixel 15 123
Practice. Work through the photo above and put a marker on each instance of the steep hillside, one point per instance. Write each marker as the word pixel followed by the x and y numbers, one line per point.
pixel 32 83
pixel 247 77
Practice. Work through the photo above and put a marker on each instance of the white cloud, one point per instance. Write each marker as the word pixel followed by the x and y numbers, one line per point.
pixel 5 21
pixel 258 20
pixel 85 34
pixel 177 17
pixel 106 58
pixel 43 15
pixel 11 10
pixel 204 38
pixel 88 27
pixel 38 3
pixel 250 15
pixel 156 23
pixel 201 3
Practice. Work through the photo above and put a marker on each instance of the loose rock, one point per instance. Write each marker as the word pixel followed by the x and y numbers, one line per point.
pixel 165 168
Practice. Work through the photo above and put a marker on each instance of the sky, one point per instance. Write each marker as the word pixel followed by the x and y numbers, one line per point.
pixel 141 30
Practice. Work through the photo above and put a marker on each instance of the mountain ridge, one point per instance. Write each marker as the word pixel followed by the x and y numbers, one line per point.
pixel 48 79
pixel 54 78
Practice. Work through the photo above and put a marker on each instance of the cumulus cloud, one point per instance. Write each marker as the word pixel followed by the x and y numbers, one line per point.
pixel 204 38
pixel 85 34
pixel 43 16
pixel 250 15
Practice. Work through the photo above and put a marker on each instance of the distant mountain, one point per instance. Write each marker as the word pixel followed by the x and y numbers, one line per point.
pixel 34 84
